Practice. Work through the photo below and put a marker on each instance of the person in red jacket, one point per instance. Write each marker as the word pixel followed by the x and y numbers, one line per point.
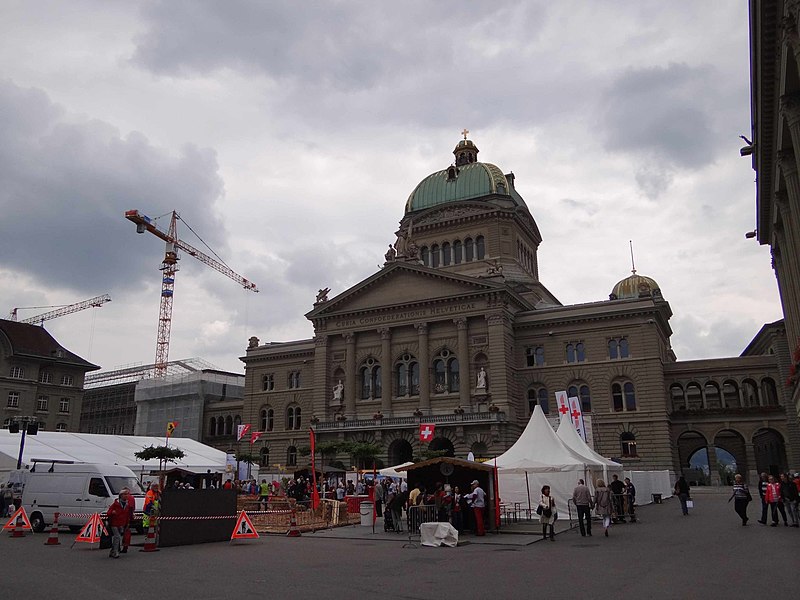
pixel 120 515
pixel 773 498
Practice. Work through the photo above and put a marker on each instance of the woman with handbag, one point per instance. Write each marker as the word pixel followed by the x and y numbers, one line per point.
pixel 602 503
pixel 741 498
pixel 547 513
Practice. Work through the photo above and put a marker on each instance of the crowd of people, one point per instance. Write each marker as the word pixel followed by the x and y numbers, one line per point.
pixel 613 504
pixel 779 496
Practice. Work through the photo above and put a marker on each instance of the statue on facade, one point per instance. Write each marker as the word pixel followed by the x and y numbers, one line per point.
pixel 481 385
pixel 338 390
pixel 390 255
pixel 322 295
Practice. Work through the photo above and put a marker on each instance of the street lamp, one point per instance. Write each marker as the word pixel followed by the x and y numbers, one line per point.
pixel 29 425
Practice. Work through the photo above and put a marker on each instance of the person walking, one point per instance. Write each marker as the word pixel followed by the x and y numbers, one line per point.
pixel 120 515
pixel 682 490
pixel 630 498
pixel 790 498
pixel 582 497
pixel 775 501
pixel 617 495
pixel 603 504
pixel 741 498
pixel 762 492
pixel 152 505
pixel 458 512
pixel 548 514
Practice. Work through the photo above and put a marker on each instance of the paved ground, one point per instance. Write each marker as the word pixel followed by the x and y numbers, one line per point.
pixel 705 555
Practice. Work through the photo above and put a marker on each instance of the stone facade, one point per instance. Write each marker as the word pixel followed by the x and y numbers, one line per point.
pixel 460 294
pixel 39 378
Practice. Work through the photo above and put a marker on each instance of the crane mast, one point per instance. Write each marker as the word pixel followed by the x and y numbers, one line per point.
pixel 169 268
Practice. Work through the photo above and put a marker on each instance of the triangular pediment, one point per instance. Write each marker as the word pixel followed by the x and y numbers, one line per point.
pixel 402 285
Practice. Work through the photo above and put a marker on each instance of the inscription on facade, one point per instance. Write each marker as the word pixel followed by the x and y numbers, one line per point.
pixel 407 315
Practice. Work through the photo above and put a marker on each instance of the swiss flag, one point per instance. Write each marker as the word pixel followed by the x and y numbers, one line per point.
pixel 426 432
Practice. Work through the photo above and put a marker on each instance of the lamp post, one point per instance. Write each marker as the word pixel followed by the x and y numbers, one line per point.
pixel 29 425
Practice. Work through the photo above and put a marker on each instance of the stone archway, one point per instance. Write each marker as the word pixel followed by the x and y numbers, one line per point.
pixel 689 444
pixel 733 443
pixel 442 443
pixel 770 451
pixel 400 451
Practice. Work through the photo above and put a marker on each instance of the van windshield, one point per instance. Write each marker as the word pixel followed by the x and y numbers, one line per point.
pixel 117 483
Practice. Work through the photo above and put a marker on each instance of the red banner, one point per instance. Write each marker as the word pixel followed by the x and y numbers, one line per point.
pixel 255 435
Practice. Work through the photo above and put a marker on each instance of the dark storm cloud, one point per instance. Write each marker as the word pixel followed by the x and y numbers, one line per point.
pixel 659 115
pixel 66 185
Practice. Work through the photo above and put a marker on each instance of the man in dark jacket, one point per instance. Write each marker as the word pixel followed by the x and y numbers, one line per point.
pixel 762 490
pixel 617 491
pixel 120 515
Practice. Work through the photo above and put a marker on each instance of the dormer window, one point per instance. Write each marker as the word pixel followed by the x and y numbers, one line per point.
pixel 452 173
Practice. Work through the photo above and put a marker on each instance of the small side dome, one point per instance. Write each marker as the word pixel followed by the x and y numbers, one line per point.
pixel 635 286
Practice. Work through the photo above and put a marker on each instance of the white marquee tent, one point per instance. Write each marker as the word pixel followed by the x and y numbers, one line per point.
pixel 569 436
pixel 539 457
pixel 104 449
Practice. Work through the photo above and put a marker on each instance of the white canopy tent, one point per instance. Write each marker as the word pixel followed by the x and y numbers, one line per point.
pixel 392 471
pixel 539 457
pixel 569 436
pixel 104 449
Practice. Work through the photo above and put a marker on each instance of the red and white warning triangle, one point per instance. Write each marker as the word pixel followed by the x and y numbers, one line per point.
pixel 26 523
pixel 244 528
pixel 92 531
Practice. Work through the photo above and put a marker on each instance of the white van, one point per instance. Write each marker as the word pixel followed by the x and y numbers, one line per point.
pixel 79 489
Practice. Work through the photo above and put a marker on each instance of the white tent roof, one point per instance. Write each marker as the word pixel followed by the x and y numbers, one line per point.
pixel 566 433
pixel 105 449
pixel 539 450
pixel 392 471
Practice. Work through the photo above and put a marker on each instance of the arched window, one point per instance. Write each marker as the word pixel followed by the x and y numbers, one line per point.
pixel 712 395
pixel 370 379
pixel 469 250
pixel 293 417
pixel 435 256
pixel 291 456
pixel 425 255
pixel 618 402
pixel 220 426
pixel 446 377
pixel 446 256
pixel 264 457
pixel 623 348
pixel 694 396
pixel 228 425
pixel 407 376
pixel 267 419
pixel 630 396
pixel 613 349
pixel 237 420
pixel 586 398
pixel 576 352
pixel 677 397
pixel 730 394
pixel 480 247
pixel 457 252
pixel 750 393
pixel 627 442
pixel 212 426
pixel 538 395
pixel 769 392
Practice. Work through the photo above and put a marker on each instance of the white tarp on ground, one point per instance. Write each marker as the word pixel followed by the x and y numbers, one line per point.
pixel 539 458
pixel 105 449
pixel 648 483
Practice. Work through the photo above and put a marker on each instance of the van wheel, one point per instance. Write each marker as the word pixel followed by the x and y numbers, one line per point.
pixel 37 522
pixel 75 528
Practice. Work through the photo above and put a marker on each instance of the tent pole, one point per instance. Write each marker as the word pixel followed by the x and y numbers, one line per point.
pixel 528 489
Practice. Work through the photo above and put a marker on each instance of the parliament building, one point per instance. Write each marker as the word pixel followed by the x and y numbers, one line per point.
pixel 457 330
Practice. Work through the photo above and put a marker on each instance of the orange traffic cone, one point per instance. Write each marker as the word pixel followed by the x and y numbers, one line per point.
pixel 18 532
pixel 150 540
pixel 293 529
pixel 53 539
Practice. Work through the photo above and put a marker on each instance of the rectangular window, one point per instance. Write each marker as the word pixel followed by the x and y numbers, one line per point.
pixel 17 372
pixel 294 380
pixel 45 377
pixel 41 403
pixel 67 380
pixel 63 405
pixel 268 382
pixel 61 427
pixel 13 400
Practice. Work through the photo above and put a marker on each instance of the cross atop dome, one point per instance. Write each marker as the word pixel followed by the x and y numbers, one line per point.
pixel 465 133
pixel 465 151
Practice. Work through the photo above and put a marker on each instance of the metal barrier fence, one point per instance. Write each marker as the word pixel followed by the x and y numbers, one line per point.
pixel 417 515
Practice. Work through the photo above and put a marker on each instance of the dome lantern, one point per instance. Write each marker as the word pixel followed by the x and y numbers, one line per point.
pixel 465 151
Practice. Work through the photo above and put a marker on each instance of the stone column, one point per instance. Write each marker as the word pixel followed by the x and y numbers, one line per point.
pixel 752 468
pixel 386 371
pixel 713 468
pixel 322 385
pixel 497 383
pixel 350 375
pixel 424 368
pixel 463 362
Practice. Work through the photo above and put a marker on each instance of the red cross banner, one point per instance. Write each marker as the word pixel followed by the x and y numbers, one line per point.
pixel 576 414
pixel 426 432
pixel 241 431
pixel 563 405
pixel 255 435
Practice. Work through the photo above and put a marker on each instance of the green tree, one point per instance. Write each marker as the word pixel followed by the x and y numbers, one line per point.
pixel 163 454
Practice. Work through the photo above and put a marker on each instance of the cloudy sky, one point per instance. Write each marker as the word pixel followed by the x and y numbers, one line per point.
pixel 289 136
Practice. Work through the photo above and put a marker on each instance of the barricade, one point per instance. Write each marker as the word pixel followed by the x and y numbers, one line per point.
pixel 150 544
pixel 417 515
pixel 52 539
pixel 624 509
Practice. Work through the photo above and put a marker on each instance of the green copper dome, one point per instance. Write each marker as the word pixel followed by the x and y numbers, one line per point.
pixel 465 180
